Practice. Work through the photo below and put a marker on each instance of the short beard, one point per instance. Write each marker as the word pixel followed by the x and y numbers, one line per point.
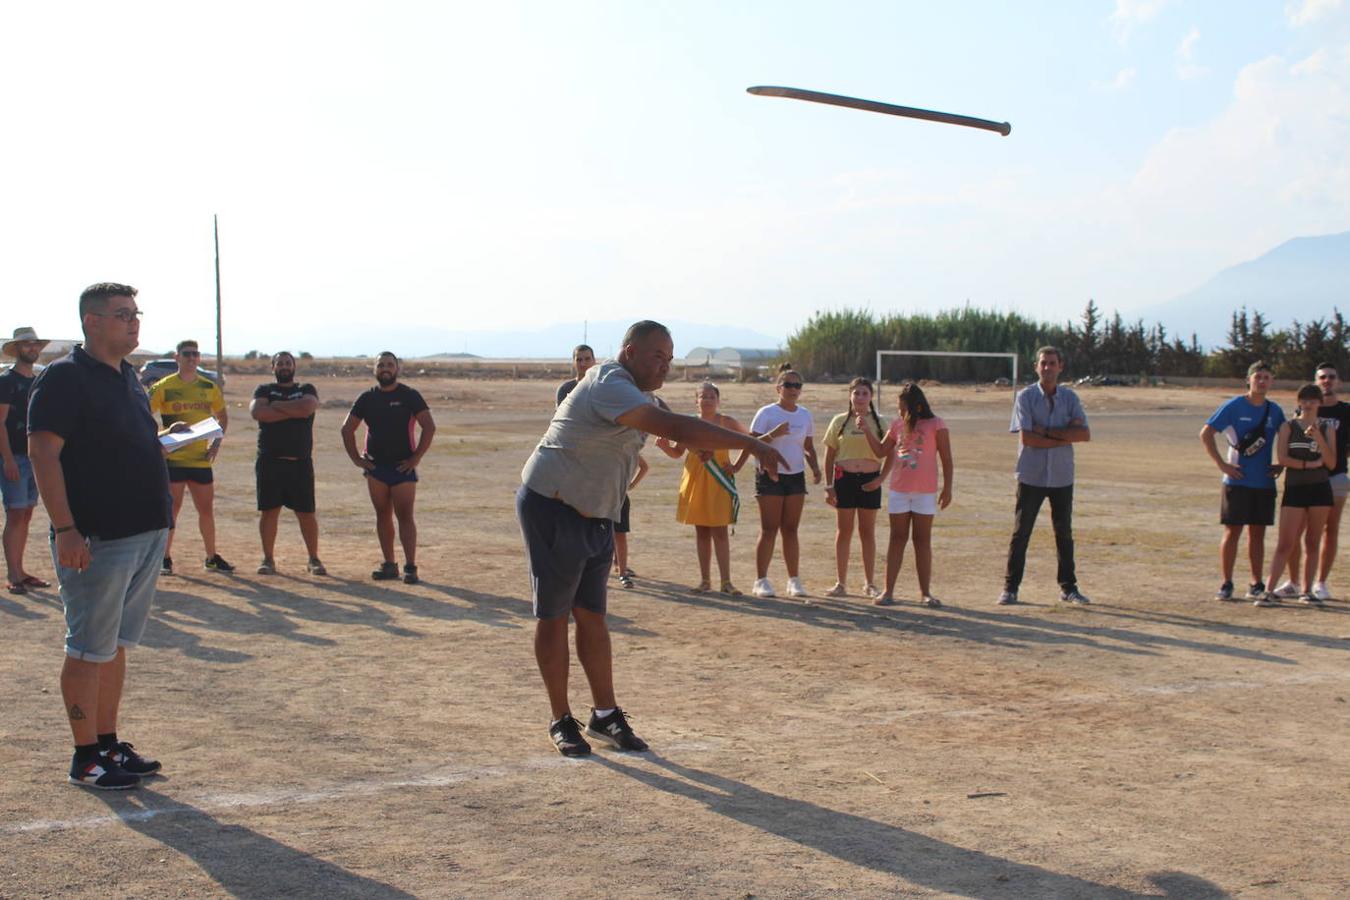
pixel 285 378
pixel 386 378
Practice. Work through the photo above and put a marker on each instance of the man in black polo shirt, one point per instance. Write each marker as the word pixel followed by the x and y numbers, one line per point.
pixel 101 474
pixel 284 411
pixel 390 460
pixel 17 485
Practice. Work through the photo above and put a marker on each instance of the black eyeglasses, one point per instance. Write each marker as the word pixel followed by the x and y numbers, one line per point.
pixel 189 353
pixel 122 315
pixel 792 385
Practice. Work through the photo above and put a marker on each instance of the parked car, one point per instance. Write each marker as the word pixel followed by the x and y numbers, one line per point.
pixel 156 369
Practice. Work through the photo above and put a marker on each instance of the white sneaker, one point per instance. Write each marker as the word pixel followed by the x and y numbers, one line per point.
pixel 795 588
pixel 1320 591
pixel 837 591
pixel 762 588
pixel 871 592
pixel 1286 591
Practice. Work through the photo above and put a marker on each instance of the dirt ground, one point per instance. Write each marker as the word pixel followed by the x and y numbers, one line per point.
pixel 335 737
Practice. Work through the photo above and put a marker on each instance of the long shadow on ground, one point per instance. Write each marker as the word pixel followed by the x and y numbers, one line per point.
pixel 916 858
pixel 242 861
pixel 1000 629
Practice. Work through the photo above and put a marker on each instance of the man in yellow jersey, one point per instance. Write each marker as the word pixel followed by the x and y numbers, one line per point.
pixel 189 397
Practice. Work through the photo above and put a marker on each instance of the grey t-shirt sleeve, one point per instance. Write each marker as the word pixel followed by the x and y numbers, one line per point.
pixel 615 394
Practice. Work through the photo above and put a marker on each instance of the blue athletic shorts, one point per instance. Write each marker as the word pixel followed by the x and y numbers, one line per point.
pixel 390 475
pixel 108 603
pixel 21 494
pixel 569 555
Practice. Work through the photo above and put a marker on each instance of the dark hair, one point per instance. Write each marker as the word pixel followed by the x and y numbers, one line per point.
pixel 708 385
pixel 579 347
pixel 1310 391
pixel 1047 350
pixel 863 381
pixel 281 353
pixel 389 353
pixel 914 405
pixel 784 370
pixel 1326 365
pixel 188 343
pixel 95 297
pixel 639 330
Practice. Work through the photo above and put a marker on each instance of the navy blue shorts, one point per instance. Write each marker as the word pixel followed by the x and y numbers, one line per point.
pixel 569 555
pixel 390 475
pixel 195 474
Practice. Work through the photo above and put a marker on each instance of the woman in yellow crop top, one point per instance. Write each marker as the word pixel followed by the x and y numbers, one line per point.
pixel 853 484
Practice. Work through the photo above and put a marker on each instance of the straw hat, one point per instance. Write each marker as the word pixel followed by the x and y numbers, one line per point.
pixel 20 335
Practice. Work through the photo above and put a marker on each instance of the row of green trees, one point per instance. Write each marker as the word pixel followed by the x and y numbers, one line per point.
pixel 845 342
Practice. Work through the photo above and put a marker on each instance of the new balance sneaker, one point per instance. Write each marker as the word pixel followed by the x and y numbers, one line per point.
pixel 614 730
pixel 386 572
pixel 315 567
pixel 837 591
pixel 166 567
pixel 1320 591
pixel 566 735
pixel 1257 591
pixel 124 754
pixel 267 567
pixel 101 773
pixel 1225 591
pixel 1008 598
pixel 1074 596
pixel 410 574
pixel 762 588
pixel 1286 591
pixel 795 588
pixel 217 563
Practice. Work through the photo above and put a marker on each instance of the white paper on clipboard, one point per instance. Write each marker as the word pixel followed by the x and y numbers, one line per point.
pixel 207 429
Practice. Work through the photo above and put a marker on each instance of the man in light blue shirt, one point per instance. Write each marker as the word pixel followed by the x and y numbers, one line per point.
pixel 1050 420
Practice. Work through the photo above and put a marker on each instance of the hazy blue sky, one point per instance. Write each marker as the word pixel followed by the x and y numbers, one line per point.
pixel 410 172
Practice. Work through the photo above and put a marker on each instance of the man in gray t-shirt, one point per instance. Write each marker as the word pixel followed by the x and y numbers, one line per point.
pixel 572 486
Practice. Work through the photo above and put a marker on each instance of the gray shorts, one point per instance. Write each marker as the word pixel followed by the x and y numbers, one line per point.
pixel 1340 485
pixel 569 555
pixel 108 603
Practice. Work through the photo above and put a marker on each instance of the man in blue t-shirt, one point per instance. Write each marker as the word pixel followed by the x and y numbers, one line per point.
pixel 1248 423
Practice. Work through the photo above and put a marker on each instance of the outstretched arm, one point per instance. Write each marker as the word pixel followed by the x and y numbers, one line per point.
pixel 698 434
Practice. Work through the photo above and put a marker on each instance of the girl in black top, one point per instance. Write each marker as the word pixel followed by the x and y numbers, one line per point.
pixel 1307 450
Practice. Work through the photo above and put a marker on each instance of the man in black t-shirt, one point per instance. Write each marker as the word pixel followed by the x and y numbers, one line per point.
pixel 284 469
pixel 18 487
pixel 390 411
pixel 1334 415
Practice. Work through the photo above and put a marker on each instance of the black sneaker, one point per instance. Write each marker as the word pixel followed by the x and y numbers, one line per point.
pixel 386 572
pixel 124 755
pixel 217 563
pixel 102 774
pixel 1225 591
pixel 1257 591
pixel 566 735
pixel 166 567
pixel 614 730
pixel 410 574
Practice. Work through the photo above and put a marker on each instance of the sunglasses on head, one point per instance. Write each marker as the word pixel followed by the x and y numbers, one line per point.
pixel 792 385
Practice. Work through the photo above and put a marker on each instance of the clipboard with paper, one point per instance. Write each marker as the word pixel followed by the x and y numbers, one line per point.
pixel 207 429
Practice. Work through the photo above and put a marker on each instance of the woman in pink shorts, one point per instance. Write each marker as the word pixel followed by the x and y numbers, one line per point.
pixel 916 441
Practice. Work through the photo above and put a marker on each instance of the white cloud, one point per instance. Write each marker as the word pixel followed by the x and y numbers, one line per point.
pixel 1130 14
pixel 1305 12
pixel 1187 67
pixel 1124 78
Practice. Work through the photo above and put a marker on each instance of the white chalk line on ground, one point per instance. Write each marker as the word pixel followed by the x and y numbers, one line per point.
pixel 206 803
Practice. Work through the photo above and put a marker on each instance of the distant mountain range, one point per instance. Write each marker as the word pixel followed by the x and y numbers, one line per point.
pixel 1304 279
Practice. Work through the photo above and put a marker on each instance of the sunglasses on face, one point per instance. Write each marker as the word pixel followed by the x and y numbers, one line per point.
pixel 189 353
pixel 792 385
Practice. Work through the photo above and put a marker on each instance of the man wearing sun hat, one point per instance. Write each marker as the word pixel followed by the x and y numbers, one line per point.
pixel 17 485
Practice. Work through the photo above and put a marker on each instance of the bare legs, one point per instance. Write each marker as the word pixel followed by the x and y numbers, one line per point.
pixel 204 498
pixel 902 526
pixel 1309 523
pixel 1256 550
pixel 16 538
pixel 778 514
pixel 268 520
pixel 92 693
pixel 710 539
pixel 867 539
pixel 593 650
pixel 393 503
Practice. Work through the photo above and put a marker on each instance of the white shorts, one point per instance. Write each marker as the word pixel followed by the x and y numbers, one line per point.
pixel 903 502
pixel 1340 485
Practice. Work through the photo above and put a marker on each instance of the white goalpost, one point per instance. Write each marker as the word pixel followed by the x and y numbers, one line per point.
pixel 951 353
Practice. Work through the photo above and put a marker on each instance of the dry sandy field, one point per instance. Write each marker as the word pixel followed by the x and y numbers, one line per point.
pixel 337 737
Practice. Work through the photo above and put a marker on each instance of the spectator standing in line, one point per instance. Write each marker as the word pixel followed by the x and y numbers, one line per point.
pixel 1248 424
pixel 18 487
pixel 284 469
pixel 583 358
pixel 1049 420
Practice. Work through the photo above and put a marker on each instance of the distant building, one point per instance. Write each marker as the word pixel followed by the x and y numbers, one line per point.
pixel 730 360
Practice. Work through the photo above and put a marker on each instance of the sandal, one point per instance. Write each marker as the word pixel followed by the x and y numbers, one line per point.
pixel 33 581
pixel 702 588
pixel 730 589
pixel 15 587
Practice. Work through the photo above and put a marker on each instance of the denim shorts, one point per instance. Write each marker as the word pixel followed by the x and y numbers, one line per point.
pixel 569 555
pixel 107 604
pixel 21 494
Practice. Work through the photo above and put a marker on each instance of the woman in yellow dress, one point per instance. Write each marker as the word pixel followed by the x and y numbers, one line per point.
pixel 708 498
